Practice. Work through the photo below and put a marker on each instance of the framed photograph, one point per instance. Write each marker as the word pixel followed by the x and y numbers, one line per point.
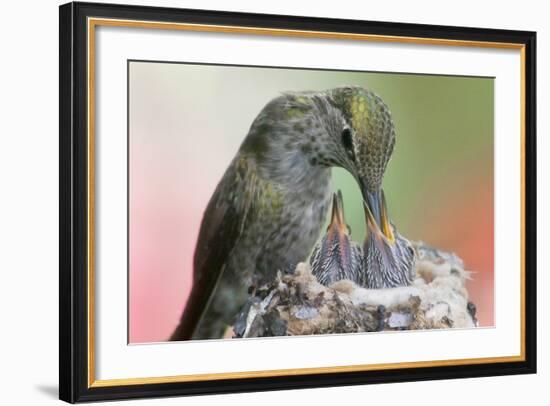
pixel 255 202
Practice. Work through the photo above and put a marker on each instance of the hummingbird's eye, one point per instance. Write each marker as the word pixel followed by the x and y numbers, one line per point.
pixel 347 142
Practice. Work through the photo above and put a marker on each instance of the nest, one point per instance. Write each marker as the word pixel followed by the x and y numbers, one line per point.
pixel 297 304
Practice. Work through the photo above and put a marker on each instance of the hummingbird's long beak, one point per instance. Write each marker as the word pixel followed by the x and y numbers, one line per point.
pixel 337 220
pixel 376 215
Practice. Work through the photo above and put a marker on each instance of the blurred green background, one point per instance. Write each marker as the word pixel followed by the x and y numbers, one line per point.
pixel 190 119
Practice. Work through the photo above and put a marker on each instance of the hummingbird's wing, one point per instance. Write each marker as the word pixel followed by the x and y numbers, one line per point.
pixel 223 222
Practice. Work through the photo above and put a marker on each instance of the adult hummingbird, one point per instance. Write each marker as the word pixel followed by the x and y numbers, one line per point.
pixel 268 209
pixel 337 256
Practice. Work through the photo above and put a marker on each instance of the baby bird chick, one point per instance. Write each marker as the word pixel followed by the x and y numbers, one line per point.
pixel 337 257
pixel 389 257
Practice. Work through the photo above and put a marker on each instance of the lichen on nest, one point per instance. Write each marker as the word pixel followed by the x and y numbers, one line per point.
pixel 297 304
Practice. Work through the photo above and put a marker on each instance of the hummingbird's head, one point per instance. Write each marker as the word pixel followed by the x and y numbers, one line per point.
pixel 367 136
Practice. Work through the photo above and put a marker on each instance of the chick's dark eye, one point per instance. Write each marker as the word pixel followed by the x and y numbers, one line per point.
pixel 347 141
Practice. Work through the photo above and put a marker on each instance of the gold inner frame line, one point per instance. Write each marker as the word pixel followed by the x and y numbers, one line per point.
pixel 94 22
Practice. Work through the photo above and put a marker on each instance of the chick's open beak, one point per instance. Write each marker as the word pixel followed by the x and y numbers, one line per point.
pixel 337 221
pixel 376 215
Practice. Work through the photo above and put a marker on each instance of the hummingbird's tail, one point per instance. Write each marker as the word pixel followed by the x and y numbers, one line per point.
pixel 195 323
pixel 209 319
pixel 189 319
pixel 209 327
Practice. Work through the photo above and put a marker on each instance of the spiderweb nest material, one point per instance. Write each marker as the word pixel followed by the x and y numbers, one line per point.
pixel 297 304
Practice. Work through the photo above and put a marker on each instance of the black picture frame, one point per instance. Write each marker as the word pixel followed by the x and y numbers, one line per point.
pixel 74 199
